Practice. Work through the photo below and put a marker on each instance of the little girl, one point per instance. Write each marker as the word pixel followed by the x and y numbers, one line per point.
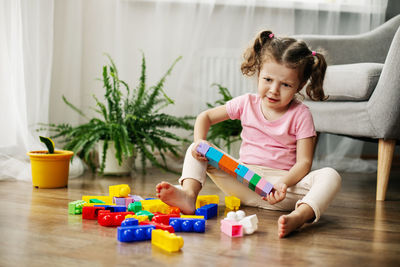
pixel 278 137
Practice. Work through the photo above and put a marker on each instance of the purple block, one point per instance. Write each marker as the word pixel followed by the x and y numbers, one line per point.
pixel 119 201
pixel 267 189
pixel 247 177
pixel 203 148
pixel 128 201
pixel 136 197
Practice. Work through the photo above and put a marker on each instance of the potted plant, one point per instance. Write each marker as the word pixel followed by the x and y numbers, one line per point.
pixel 225 134
pixel 130 121
pixel 50 168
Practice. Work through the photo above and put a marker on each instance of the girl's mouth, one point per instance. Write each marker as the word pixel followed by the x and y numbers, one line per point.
pixel 272 100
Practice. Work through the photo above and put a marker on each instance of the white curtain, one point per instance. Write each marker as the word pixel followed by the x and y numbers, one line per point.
pixel 53 48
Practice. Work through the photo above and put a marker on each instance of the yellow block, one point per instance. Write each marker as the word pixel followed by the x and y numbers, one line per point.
pixel 206 199
pixel 107 199
pixel 120 190
pixel 232 202
pixel 193 216
pixel 155 205
pixel 92 204
pixel 166 240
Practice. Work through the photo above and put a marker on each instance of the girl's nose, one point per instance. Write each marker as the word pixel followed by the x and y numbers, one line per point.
pixel 274 88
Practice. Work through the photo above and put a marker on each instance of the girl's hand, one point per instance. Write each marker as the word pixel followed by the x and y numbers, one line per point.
pixel 196 154
pixel 277 194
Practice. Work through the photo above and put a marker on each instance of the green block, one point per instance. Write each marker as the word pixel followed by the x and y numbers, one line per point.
pixel 95 200
pixel 135 206
pixel 254 181
pixel 145 212
pixel 75 207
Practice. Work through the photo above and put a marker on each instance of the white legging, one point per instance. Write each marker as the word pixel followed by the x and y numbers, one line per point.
pixel 317 189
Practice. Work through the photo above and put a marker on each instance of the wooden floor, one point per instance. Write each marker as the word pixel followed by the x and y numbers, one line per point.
pixel 36 230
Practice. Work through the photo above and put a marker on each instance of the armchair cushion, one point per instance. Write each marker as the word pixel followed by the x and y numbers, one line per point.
pixel 351 82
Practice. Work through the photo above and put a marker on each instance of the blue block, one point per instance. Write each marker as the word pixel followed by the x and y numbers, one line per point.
pixel 188 224
pixel 208 211
pixel 135 233
pixel 113 208
pixel 241 172
pixel 130 222
pixel 214 156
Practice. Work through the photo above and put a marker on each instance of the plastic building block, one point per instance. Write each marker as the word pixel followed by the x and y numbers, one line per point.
pixel 135 206
pixel 120 190
pixel 90 213
pixel 163 218
pixel 160 226
pixel 95 200
pixel 136 197
pixel 206 199
pixel 193 216
pixel 174 210
pixel 208 211
pixel 228 165
pixel 250 223
pixel 106 199
pixel 130 222
pixel 145 212
pixel 166 241
pixel 188 225
pixel 123 201
pixel 203 148
pixel 112 208
pixel 155 205
pixel 235 216
pixel 241 171
pixel 140 218
pixel 231 228
pixel 107 218
pixel 232 202
pixel 254 181
pixel 214 156
pixel 135 233
pixel 75 207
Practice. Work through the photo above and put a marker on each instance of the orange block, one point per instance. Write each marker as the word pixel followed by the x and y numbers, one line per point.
pixel 228 165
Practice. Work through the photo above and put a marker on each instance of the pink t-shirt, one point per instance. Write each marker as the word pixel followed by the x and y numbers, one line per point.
pixel 270 143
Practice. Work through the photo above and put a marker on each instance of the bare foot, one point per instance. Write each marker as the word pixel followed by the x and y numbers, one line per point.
pixel 176 197
pixel 294 220
pixel 288 223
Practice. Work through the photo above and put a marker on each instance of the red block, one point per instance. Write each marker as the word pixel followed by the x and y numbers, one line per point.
pixel 228 165
pixel 163 218
pixel 107 218
pixel 161 226
pixel 90 213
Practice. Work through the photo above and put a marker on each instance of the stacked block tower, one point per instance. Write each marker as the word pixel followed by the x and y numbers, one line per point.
pixel 243 174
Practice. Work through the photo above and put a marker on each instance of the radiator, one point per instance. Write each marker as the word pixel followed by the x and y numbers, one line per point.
pixel 224 69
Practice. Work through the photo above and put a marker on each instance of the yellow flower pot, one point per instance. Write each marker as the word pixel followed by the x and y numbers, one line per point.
pixel 50 170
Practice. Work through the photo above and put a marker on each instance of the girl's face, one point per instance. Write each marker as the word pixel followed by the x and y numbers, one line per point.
pixel 277 85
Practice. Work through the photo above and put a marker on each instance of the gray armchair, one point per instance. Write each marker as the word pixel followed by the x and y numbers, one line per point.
pixel 363 81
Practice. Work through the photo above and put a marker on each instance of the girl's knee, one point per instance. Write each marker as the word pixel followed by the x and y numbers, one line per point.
pixel 333 176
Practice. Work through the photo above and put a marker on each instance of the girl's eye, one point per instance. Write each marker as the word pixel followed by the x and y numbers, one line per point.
pixel 286 85
pixel 267 79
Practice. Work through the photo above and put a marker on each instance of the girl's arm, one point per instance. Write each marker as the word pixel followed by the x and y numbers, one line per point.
pixel 304 156
pixel 203 122
pixel 207 118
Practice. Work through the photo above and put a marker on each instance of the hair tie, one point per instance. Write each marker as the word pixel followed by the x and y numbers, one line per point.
pixel 271 35
pixel 313 53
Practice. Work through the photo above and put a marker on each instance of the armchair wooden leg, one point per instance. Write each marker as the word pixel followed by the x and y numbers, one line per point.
pixel 385 156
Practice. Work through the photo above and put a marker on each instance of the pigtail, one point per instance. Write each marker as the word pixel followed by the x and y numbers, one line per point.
pixel 315 87
pixel 252 57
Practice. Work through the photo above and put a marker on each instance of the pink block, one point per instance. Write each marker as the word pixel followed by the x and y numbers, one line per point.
pixel 260 185
pixel 231 228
